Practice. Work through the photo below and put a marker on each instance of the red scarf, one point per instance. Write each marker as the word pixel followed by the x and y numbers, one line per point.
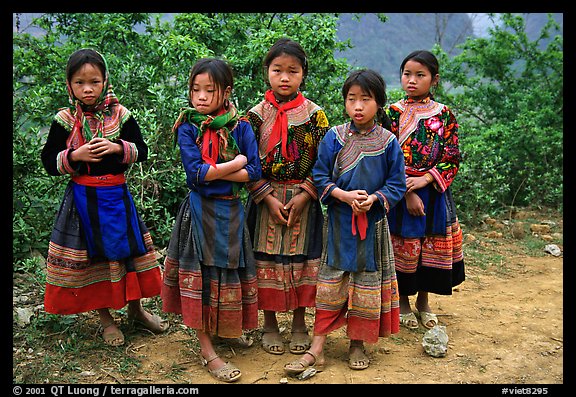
pixel 280 127
pixel 360 221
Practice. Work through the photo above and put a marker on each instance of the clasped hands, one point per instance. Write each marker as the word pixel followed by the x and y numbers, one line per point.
pixel 290 213
pixel 95 150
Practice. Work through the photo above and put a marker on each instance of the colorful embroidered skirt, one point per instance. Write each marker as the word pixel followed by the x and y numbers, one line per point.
pixel 217 300
pixel 366 302
pixel 431 262
pixel 287 259
pixel 77 283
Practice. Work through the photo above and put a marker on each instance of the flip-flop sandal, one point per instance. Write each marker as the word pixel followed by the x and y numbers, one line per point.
pixel 226 373
pixel 297 367
pixel 357 359
pixel 114 338
pixel 300 342
pixel 272 342
pixel 426 317
pixel 409 320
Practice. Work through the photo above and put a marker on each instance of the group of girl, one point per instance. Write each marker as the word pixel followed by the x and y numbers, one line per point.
pixel 390 229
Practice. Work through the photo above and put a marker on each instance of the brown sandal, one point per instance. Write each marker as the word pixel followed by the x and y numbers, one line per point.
pixel 300 342
pixel 272 342
pixel 299 366
pixel 357 358
pixel 226 373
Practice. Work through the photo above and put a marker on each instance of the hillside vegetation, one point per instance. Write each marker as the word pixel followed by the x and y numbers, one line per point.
pixel 505 89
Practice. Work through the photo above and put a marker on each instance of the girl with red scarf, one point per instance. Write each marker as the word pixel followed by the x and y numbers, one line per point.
pixel 284 214
pixel 95 260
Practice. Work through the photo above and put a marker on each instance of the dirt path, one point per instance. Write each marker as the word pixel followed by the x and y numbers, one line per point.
pixel 503 328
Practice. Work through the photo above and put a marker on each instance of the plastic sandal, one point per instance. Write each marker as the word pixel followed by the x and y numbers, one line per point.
pixel 226 373
pixel 299 366
pixel 357 358
pixel 426 317
pixel 272 342
pixel 300 342
pixel 409 320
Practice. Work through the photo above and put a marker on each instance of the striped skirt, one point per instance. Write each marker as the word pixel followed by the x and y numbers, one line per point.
pixel 215 299
pixel 287 258
pixel 77 282
pixel 366 302
pixel 431 262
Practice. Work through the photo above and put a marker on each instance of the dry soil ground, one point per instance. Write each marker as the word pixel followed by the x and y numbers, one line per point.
pixel 505 326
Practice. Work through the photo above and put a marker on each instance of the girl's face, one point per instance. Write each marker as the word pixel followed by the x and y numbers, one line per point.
pixel 285 75
pixel 205 94
pixel 87 84
pixel 417 80
pixel 361 107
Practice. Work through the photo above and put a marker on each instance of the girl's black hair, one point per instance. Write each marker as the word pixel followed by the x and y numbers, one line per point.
pixel 80 58
pixel 372 83
pixel 424 57
pixel 290 47
pixel 218 70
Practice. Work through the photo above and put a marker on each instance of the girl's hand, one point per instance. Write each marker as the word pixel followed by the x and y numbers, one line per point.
pixel 349 197
pixel 364 206
pixel 100 147
pixel 86 154
pixel 415 183
pixel 276 208
pixel 414 204
pixel 295 207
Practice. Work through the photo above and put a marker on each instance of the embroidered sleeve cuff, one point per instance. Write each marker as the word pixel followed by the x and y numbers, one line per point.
pixel 439 183
pixel 258 190
pixel 308 185
pixel 63 162
pixel 383 200
pixel 325 197
pixel 130 152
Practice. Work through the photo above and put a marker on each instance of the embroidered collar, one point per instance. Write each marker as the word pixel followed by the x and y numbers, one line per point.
pixel 353 129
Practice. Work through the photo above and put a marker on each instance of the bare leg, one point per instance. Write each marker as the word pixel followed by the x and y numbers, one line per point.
pixel 422 302
pixel 405 304
pixel 298 320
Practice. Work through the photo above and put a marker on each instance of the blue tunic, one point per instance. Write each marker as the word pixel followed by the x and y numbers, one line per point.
pixel 349 160
pixel 215 206
pixel 196 168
